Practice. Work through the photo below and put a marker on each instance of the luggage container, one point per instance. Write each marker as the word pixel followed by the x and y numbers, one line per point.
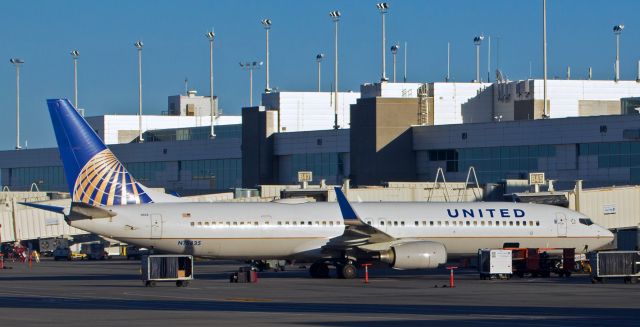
pixel 615 264
pixel 167 268
pixel 93 251
pixel 244 275
pixel 541 262
pixel 494 264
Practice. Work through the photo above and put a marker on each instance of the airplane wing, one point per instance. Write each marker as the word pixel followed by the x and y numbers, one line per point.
pixel 358 232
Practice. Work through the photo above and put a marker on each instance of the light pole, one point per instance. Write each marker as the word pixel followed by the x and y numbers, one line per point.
pixel 17 62
pixel 477 41
pixel 448 62
pixel 383 7
pixel 319 58
pixel 267 26
pixel 75 54
pixel 139 46
pixel 405 62
pixel 489 59
pixel 210 36
pixel 617 30
pixel 335 16
pixel 394 51
pixel 250 66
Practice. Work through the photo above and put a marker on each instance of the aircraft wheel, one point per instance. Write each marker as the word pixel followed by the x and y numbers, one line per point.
pixel 349 271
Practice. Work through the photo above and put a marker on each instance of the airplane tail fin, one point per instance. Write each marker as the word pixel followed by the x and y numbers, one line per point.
pixel 345 207
pixel 94 175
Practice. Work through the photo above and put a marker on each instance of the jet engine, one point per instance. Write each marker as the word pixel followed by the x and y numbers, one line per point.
pixel 415 255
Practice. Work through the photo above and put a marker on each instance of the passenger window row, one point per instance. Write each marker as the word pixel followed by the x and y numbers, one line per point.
pixel 323 223
pixel 425 223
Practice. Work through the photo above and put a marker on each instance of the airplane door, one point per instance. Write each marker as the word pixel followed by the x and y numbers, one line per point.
pixel 156 225
pixel 561 224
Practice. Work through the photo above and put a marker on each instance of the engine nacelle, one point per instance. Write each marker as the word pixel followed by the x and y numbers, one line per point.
pixel 415 255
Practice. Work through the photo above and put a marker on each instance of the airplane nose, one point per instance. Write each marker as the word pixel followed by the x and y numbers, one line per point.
pixel 605 233
pixel 605 237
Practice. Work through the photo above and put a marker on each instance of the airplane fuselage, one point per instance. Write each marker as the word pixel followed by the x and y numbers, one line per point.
pixel 277 230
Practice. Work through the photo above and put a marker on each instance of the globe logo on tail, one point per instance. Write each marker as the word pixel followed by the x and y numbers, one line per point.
pixel 104 181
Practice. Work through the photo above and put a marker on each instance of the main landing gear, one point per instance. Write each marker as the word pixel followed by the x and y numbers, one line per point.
pixel 345 269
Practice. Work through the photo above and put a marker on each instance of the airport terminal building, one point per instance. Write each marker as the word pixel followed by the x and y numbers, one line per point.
pixel 386 132
pixel 396 135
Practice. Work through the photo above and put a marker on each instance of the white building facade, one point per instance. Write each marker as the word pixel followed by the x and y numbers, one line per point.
pixel 309 111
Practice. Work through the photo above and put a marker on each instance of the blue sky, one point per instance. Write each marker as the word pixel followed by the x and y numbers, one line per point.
pixel 43 32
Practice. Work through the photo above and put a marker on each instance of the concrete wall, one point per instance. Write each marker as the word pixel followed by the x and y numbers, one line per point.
pixel 449 99
pixel 258 162
pixel 599 107
pixel 201 105
pixel 564 95
pixel 381 140
pixel 390 90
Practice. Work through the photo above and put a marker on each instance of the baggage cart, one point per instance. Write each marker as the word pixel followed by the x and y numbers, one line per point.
pixel 615 264
pixel 494 264
pixel 244 275
pixel 167 268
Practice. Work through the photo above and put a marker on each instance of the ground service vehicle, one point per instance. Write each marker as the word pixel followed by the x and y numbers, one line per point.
pixel 623 265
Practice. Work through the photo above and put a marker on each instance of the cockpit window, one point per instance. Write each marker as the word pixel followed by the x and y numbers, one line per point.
pixel 585 221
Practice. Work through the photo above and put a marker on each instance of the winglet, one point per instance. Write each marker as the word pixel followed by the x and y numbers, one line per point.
pixel 345 206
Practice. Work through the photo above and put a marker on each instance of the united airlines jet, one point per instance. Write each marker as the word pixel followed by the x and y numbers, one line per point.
pixel 107 200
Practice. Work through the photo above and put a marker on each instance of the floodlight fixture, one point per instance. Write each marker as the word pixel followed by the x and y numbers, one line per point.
pixel 382 6
pixel 618 29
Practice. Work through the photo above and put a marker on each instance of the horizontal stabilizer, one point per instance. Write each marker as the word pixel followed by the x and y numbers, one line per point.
pixel 80 211
pixel 45 207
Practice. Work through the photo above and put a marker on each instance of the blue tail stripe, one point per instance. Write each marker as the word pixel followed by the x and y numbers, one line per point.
pixel 77 141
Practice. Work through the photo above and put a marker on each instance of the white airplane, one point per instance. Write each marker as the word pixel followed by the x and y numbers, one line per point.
pixel 106 200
